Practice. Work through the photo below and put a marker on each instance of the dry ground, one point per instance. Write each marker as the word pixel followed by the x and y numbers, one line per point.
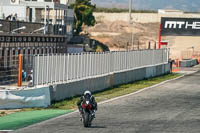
pixel 117 35
pixel 6 112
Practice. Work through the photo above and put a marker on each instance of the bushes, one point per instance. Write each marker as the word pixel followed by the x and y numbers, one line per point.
pixel 119 10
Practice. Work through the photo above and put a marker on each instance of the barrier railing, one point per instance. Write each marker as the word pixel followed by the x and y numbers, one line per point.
pixel 56 68
pixel 9 70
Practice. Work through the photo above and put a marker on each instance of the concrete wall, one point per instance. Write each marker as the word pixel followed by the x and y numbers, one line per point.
pixel 188 63
pixel 139 17
pixel 11 99
pixel 8 26
pixel 63 91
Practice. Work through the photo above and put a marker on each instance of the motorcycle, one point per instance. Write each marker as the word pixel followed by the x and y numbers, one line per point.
pixel 88 114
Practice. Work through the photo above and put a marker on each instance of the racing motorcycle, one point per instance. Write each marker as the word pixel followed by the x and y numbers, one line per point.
pixel 88 113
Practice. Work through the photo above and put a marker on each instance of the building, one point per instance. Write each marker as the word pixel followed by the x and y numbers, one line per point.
pixel 53 12
pixel 170 11
pixel 41 27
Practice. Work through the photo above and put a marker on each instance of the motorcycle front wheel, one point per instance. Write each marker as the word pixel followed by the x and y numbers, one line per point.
pixel 86 119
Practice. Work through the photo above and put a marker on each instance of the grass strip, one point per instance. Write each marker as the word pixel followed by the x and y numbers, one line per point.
pixel 115 91
pixel 23 119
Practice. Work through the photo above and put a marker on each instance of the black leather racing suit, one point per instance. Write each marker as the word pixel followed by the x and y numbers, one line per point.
pixel 93 102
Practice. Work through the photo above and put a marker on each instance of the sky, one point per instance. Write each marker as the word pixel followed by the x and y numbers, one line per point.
pixel 186 5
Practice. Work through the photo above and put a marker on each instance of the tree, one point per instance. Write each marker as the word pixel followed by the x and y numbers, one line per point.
pixel 83 14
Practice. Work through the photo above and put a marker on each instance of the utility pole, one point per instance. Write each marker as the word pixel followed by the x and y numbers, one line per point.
pixel 45 19
pixel 130 9
pixel 132 40
pixel 130 18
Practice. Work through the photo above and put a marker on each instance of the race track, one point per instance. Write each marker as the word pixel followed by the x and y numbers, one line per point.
pixel 173 107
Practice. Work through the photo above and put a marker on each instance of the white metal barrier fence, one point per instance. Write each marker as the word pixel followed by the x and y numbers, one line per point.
pixel 49 69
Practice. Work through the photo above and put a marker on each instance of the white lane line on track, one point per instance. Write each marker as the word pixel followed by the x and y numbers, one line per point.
pixel 6 131
pixel 116 98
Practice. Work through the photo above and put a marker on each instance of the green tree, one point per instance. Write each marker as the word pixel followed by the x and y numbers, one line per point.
pixel 83 14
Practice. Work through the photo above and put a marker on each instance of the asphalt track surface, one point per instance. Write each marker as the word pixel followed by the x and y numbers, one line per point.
pixel 173 107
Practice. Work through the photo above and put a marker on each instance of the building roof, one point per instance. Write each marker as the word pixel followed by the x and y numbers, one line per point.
pixel 170 10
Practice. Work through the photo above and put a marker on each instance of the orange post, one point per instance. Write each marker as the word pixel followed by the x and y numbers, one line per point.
pixel 20 71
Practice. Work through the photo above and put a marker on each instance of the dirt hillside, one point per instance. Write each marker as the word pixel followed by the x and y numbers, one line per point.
pixel 118 35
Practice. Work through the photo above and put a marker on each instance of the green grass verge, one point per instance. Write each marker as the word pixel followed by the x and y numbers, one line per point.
pixel 23 119
pixel 115 91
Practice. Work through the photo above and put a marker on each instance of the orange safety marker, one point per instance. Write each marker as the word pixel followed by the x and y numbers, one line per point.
pixel 20 71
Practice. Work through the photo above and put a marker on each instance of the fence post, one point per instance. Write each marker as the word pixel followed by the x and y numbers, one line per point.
pixel 38 66
pixel 42 64
pixel 64 67
pixel 153 57
pixel 90 65
pixel 59 67
pixel 167 54
pixel 33 70
pixel 67 72
pixel 47 78
pixel 56 68
pixel 20 71
pixel 103 63
pixel 51 66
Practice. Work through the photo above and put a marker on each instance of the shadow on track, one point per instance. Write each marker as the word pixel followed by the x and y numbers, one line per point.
pixel 98 127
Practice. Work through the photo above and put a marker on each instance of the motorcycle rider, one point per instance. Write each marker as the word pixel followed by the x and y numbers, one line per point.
pixel 93 102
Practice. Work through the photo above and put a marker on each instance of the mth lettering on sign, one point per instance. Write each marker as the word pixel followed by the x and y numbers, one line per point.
pixel 180 27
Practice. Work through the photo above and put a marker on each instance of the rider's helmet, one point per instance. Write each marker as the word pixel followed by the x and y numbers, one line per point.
pixel 87 93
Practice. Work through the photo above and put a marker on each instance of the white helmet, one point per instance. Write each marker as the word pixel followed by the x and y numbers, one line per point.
pixel 87 92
